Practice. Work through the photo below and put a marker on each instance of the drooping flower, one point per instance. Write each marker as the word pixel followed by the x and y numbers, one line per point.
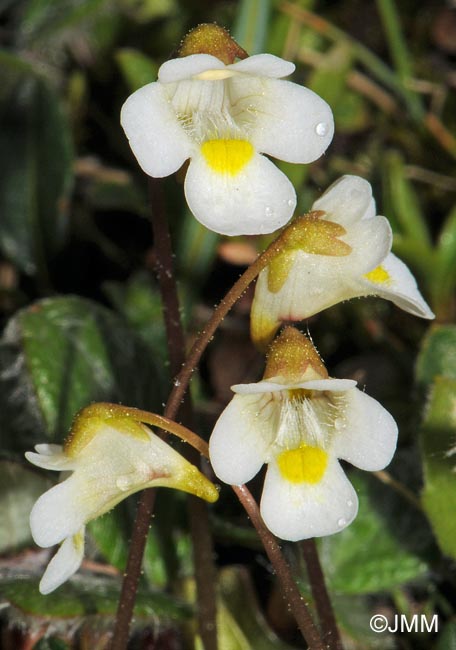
pixel 111 455
pixel 340 250
pixel 300 422
pixel 222 115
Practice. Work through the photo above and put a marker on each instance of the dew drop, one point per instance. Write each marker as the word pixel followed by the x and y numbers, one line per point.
pixel 349 503
pixel 341 522
pixel 177 382
pixel 268 211
pixel 290 202
pixel 321 129
pixel 339 424
pixel 123 483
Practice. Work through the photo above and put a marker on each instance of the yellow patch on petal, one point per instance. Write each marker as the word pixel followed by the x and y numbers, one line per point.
pixel 279 268
pixel 94 418
pixel 78 541
pixel 305 464
pixel 379 275
pixel 227 156
pixel 262 327
pixel 312 234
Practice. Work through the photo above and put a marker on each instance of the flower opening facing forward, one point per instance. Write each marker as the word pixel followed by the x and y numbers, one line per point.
pixel 340 250
pixel 300 422
pixel 221 116
pixel 110 456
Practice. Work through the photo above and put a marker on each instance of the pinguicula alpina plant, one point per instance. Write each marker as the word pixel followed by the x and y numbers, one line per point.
pixel 111 454
pixel 226 112
pixel 300 421
pixel 340 250
pixel 223 115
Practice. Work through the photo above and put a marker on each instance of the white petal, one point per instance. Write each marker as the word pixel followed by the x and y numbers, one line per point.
pixel 401 288
pixel 370 240
pixel 289 122
pixel 257 200
pixel 347 200
pixel 156 137
pixel 58 513
pixel 241 437
pixel 317 384
pixel 64 564
pixel 48 449
pixel 187 67
pixel 368 435
pixel 264 65
pixel 50 457
pixel 299 511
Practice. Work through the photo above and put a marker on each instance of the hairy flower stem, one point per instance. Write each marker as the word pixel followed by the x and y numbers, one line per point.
pixel 282 570
pixel 320 594
pixel 205 575
pixel 182 380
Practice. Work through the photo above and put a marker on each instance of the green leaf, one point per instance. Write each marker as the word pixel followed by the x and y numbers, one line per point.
pixel 140 304
pixel 111 534
pixel 444 272
pixel 137 69
pixel 241 624
pixel 19 489
pixel 329 79
pixel 35 146
pixel 144 11
pixel 374 553
pixel 353 614
pixel 43 19
pixel 438 354
pixel 61 354
pixel 401 203
pixel 196 249
pixel 250 29
pixel 438 437
pixel 447 638
pixel 86 595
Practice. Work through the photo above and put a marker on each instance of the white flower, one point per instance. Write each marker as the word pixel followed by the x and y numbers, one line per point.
pixel 300 425
pixel 220 116
pixel 341 250
pixel 110 458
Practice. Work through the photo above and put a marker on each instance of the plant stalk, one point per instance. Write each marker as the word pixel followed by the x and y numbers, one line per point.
pixel 205 575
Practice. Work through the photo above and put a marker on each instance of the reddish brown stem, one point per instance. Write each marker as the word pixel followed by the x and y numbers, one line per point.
pixel 199 520
pixel 282 570
pixel 320 594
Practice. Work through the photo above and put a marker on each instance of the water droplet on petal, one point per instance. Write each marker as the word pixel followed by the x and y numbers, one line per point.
pixel 123 483
pixel 341 522
pixel 321 129
pixel 290 202
pixel 339 424
pixel 268 211
pixel 349 503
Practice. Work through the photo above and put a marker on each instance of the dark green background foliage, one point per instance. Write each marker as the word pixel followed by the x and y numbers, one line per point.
pixel 81 317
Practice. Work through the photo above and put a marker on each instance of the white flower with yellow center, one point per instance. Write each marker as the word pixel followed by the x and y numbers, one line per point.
pixel 340 250
pixel 111 455
pixel 300 422
pixel 220 117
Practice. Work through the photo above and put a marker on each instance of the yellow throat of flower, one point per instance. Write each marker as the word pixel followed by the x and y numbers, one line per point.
pixel 379 275
pixel 227 156
pixel 305 464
